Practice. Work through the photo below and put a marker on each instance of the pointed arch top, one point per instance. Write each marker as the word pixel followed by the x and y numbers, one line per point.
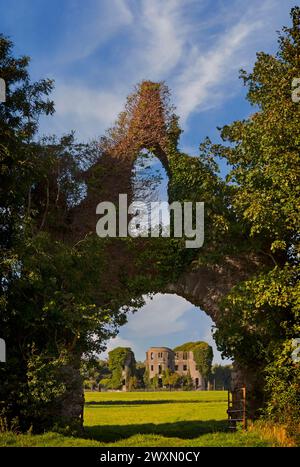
pixel 147 122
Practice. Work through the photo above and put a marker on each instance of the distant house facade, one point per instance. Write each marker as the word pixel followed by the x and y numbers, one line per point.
pixel 158 359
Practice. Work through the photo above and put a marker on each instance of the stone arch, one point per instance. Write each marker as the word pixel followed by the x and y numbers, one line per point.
pixel 148 122
pixel 150 180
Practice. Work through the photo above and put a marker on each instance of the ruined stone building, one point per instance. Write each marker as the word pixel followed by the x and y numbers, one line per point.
pixel 158 359
pixel 127 369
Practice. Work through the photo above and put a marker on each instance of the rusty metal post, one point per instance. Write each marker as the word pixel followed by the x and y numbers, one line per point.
pixel 244 408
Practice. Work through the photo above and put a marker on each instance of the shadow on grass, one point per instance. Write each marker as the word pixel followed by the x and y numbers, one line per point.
pixel 150 402
pixel 184 430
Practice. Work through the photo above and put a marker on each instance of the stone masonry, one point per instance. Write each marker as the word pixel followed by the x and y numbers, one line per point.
pixel 158 359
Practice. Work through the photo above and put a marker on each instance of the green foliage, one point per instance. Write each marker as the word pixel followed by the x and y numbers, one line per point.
pixel 133 383
pixel 186 382
pixel 261 316
pixel 146 379
pixel 197 179
pixel 170 379
pixel 264 150
pixel 140 370
pixel 52 294
pixel 283 389
pixel 121 363
pixel 95 373
pixel 154 382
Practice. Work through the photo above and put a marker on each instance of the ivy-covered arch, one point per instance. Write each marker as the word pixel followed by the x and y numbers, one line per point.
pixel 202 276
pixel 149 265
pixel 117 272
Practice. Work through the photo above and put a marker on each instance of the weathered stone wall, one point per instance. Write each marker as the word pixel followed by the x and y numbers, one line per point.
pixel 156 357
pixel 186 365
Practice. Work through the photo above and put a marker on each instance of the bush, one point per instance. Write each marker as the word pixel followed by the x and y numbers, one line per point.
pixel 283 388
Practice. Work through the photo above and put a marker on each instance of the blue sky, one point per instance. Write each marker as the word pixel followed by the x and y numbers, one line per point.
pixel 97 50
pixel 166 320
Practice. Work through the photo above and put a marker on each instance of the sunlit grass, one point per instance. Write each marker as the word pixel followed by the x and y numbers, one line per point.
pixel 196 418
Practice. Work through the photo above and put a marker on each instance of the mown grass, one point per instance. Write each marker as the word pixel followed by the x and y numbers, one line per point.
pixel 149 419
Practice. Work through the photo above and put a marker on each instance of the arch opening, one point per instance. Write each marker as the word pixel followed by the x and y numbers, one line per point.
pixel 149 177
pixel 165 322
pixel 149 183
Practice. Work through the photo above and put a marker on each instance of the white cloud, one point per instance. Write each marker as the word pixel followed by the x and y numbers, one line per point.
pixel 138 349
pixel 197 51
pixel 86 29
pixel 167 317
pixel 209 77
pixel 89 111
pixel 161 36
pixel 157 48
pixel 161 315
pixel 203 81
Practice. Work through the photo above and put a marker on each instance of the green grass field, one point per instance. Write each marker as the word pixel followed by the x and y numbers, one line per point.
pixel 196 418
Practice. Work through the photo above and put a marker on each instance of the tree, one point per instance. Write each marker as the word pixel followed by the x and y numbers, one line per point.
pixel 51 312
pixel 261 316
pixel 25 102
pixel 94 372
pixel 167 378
pixel 133 383
pixel 220 376
pixel 146 379
pixel 140 370
pixel 175 380
pixel 186 382
pixel 154 382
